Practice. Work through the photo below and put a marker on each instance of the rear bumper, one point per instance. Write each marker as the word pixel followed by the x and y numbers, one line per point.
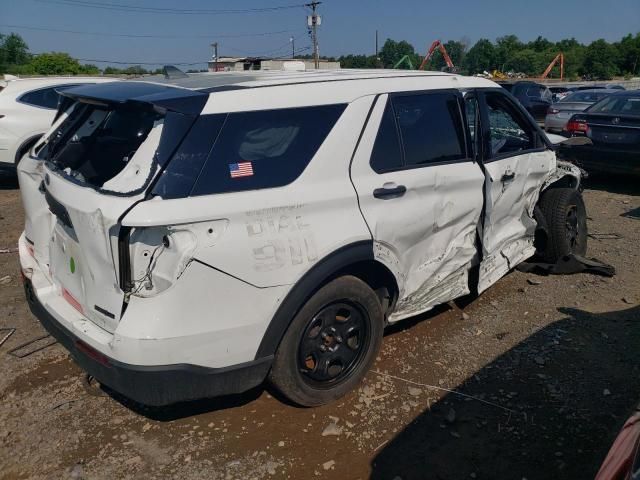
pixel 152 385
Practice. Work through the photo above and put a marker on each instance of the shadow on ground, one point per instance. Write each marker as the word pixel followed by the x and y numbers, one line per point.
pixel 569 387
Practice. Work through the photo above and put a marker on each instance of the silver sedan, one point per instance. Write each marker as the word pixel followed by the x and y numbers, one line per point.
pixel 559 113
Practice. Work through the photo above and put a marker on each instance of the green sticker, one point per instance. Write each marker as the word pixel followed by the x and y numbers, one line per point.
pixel 72 265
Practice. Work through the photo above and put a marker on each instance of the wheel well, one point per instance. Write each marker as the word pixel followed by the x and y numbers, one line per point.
pixel 567 181
pixel 378 277
pixel 25 147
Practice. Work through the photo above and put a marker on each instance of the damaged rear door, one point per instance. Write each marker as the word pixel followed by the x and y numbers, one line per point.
pixel 516 162
pixel 94 168
pixel 420 193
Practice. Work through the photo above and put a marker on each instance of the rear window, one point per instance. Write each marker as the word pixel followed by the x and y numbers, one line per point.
pixel 254 150
pixel 617 104
pixel 584 96
pixel 43 98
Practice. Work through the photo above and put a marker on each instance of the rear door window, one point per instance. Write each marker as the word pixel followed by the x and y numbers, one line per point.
pixel 431 128
pixel 387 152
pixel 265 149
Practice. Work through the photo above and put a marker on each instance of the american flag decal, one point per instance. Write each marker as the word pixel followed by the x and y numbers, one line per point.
pixel 242 169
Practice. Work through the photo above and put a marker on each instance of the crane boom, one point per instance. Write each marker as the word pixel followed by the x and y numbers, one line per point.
pixel 447 59
pixel 559 57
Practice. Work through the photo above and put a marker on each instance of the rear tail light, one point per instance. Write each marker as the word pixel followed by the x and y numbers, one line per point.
pixel 71 300
pixel 577 125
pixel 552 110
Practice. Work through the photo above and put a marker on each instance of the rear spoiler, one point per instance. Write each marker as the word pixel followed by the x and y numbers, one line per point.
pixel 179 100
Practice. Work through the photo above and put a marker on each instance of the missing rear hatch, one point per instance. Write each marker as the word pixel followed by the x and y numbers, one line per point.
pixel 108 147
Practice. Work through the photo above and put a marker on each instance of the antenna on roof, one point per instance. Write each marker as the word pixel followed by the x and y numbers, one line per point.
pixel 171 72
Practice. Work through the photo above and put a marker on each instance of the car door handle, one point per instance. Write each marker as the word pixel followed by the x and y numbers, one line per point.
pixel 387 193
pixel 507 177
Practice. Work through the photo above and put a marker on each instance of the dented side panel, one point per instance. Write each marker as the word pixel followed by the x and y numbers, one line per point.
pixel 427 236
pixel 512 189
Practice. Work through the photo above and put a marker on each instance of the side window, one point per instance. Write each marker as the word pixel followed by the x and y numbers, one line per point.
pixel 386 154
pixel 431 128
pixel 44 98
pixel 509 132
pixel 265 149
pixel 534 91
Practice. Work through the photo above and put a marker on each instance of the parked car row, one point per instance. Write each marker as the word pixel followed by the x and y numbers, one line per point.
pixel 559 113
pixel 607 116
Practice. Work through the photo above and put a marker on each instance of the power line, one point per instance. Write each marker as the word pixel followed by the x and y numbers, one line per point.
pixel 133 35
pixel 174 11
pixel 121 62
pixel 263 52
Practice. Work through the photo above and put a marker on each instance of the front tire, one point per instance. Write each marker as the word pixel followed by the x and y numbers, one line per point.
pixel 566 223
pixel 330 344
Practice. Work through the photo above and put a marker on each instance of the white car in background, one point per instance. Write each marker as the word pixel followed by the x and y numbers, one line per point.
pixel 27 108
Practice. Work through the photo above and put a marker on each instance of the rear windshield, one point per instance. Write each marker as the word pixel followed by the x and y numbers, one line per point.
pixel 617 104
pixel 585 96
pixel 95 143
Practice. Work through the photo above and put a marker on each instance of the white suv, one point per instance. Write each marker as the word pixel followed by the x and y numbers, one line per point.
pixel 27 108
pixel 191 242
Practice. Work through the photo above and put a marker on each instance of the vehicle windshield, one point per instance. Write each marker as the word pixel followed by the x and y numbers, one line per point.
pixel 95 143
pixel 622 104
pixel 585 96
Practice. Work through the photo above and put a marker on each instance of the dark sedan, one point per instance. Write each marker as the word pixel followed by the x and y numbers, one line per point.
pixel 535 97
pixel 613 125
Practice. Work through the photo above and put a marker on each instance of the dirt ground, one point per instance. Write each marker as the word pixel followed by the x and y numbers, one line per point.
pixel 532 380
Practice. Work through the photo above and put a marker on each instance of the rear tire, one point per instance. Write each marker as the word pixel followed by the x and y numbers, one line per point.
pixel 566 223
pixel 330 344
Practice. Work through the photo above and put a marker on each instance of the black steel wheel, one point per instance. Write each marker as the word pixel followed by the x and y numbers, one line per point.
pixel 333 343
pixel 566 223
pixel 330 344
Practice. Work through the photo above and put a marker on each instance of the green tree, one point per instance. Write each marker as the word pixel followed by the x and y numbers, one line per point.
pixel 629 49
pixel 506 49
pixel 13 51
pixel 393 51
pixel 600 60
pixel 540 44
pixel 358 61
pixel 55 63
pixel 480 57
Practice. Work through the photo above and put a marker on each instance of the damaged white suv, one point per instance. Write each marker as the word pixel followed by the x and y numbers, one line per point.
pixel 195 237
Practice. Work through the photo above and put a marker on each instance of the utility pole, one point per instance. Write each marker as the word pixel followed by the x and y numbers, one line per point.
pixel 293 46
pixel 313 21
pixel 377 57
pixel 215 56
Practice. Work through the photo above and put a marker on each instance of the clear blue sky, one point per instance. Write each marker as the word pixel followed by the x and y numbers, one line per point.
pixel 347 26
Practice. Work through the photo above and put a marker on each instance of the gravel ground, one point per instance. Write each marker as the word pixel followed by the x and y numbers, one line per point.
pixel 531 380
